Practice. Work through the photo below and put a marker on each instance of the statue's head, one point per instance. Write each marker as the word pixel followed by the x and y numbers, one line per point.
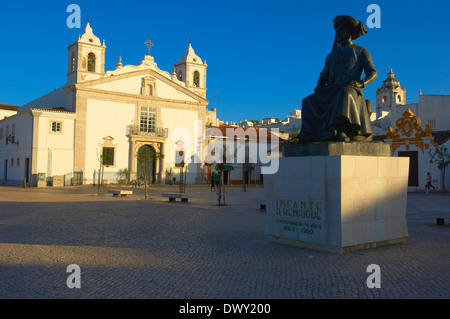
pixel 348 27
pixel 343 33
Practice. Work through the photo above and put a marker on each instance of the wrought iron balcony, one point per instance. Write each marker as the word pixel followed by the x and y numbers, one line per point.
pixel 157 131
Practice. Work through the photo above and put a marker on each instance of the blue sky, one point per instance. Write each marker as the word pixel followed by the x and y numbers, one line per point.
pixel 263 56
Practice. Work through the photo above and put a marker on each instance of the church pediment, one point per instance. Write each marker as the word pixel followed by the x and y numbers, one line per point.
pixel 147 83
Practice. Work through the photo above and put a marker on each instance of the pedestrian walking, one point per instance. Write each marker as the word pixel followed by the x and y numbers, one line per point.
pixel 429 181
pixel 213 181
pixel 218 181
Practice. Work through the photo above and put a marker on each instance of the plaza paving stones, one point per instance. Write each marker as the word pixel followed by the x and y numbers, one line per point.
pixel 133 248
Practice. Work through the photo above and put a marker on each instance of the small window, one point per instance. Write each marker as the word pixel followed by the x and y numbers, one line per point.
pixel 108 156
pixel 56 127
pixel 399 98
pixel 180 76
pixel 18 162
pixel 1 133
pixel 384 99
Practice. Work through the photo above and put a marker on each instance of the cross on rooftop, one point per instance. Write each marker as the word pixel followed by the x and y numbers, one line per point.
pixel 149 44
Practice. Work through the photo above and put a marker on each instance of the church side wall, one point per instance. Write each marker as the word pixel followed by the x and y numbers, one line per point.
pixel 56 99
pixel 46 152
pixel 53 152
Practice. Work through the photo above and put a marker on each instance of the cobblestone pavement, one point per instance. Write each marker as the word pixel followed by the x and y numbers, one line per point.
pixel 132 248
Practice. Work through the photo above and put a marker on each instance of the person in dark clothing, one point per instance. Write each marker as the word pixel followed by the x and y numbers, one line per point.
pixel 213 181
pixel 429 181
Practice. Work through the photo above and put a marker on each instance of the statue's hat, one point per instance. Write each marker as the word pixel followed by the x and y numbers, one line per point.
pixel 355 27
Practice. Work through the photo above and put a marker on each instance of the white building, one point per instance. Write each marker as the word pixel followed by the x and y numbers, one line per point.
pixel 110 117
pixel 244 151
pixel 37 142
pixel 291 124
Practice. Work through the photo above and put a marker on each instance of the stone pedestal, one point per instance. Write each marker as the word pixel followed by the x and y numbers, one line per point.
pixel 338 203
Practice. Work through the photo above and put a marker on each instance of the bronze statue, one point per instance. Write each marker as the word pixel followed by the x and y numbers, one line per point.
pixel 338 111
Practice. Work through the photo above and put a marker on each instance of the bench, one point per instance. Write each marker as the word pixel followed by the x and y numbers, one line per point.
pixel 173 197
pixel 260 202
pixel 121 193
pixel 439 213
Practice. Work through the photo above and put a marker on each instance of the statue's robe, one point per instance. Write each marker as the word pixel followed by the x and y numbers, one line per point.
pixel 337 106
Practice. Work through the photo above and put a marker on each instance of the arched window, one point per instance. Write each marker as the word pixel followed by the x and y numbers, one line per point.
pixel 180 76
pixel 399 98
pixel 91 62
pixel 384 100
pixel 150 89
pixel 196 79
pixel 72 62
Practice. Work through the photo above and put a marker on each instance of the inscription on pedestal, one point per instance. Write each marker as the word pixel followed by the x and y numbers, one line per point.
pixel 300 219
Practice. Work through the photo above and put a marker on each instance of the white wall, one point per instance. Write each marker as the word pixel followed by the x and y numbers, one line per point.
pixel 53 152
pixel 103 119
pixel 181 125
pixel 22 150
pixel 6 113
pixel 437 108
pixel 55 155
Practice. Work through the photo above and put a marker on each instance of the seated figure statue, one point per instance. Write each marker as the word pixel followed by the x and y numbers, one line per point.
pixel 338 111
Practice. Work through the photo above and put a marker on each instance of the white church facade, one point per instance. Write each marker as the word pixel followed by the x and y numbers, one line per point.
pixel 110 118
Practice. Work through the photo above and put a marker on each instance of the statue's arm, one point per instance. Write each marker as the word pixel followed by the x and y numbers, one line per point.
pixel 369 69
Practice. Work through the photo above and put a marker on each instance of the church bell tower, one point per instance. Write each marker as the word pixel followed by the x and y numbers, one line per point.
pixel 86 58
pixel 389 94
pixel 191 70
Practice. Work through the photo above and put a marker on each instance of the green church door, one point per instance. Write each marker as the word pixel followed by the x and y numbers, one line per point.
pixel 147 163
